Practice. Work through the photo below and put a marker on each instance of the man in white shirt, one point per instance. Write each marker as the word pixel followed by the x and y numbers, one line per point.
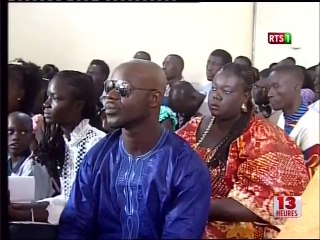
pixel 315 106
pixel 297 120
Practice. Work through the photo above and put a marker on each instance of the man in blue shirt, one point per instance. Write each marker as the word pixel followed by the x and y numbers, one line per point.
pixel 141 181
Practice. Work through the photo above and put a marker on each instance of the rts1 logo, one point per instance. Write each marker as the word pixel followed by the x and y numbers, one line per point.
pixel 279 38
pixel 287 207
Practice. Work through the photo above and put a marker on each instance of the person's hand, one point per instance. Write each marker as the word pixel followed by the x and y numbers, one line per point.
pixel 38 127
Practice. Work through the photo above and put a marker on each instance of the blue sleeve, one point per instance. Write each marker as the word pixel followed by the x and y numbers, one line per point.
pixel 189 214
pixel 79 216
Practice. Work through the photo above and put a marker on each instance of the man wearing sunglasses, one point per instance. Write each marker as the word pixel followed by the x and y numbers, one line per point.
pixel 141 181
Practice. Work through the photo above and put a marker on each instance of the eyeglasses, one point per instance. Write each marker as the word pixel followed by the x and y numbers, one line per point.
pixel 122 87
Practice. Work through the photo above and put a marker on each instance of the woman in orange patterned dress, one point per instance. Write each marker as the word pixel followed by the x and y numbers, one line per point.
pixel 250 160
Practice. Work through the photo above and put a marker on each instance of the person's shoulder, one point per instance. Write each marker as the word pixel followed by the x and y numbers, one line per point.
pixel 266 136
pixel 274 116
pixel 26 169
pixel 315 106
pixel 312 113
pixel 309 124
pixel 261 128
pixel 194 122
pixel 95 132
pixel 259 122
pixel 107 138
pixel 28 162
pixel 104 145
pixel 98 131
pixel 181 149
pixel 165 110
pixel 174 140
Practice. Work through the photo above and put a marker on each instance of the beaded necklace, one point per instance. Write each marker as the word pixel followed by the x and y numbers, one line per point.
pixel 212 151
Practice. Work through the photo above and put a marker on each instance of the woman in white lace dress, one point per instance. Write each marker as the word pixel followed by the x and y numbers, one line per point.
pixel 68 136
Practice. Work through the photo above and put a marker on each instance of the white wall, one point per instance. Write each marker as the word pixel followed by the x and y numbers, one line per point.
pixel 71 34
pixel 300 19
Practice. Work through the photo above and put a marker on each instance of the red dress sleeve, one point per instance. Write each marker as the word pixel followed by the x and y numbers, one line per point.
pixel 264 163
pixel 189 131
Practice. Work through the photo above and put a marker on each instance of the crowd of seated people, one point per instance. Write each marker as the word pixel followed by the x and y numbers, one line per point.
pixel 139 152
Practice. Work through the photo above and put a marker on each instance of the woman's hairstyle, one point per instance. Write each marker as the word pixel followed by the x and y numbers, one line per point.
pixel 51 150
pixel 28 76
pixel 247 76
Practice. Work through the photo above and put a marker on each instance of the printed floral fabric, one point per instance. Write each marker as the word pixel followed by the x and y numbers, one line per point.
pixel 263 162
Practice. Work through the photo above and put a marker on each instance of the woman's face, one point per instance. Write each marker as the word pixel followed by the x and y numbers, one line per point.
pixel 227 96
pixel 61 107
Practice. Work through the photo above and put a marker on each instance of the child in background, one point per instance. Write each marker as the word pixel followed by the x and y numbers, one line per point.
pixel 20 159
pixel 19 140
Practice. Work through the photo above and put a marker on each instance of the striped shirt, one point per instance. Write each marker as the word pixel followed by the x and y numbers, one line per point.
pixel 291 121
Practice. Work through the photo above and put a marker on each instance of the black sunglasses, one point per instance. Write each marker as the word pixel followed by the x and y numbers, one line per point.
pixel 122 87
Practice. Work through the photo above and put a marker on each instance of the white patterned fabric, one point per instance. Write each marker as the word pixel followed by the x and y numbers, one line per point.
pixel 82 139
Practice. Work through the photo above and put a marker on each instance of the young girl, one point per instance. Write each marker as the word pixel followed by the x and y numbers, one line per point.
pixel 68 136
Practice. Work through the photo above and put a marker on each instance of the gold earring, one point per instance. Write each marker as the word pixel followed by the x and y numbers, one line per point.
pixel 244 108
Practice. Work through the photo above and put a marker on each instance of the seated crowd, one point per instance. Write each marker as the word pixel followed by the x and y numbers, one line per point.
pixel 143 153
